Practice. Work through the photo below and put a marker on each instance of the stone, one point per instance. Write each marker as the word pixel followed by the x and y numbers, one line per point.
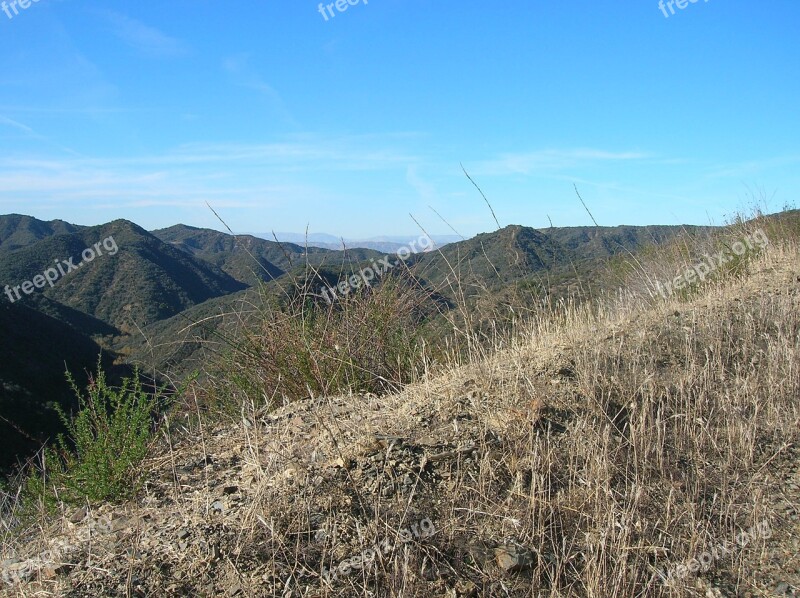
pixel 22 572
pixel 513 558
pixel 79 515
pixel 119 523
pixel 52 571
pixel 466 589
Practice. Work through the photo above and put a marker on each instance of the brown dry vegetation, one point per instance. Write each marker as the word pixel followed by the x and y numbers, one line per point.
pixel 597 446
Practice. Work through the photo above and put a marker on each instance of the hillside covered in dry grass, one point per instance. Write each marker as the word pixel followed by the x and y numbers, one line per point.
pixel 632 446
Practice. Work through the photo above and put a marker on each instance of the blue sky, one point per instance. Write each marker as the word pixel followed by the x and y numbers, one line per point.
pixel 282 120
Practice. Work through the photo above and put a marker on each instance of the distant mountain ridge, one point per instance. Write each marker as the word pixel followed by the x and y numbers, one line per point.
pixel 519 254
pixel 17 230
pixel 244 257
pixel 384 243
pixel 249 259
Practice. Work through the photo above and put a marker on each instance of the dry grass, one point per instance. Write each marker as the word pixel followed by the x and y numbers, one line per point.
pixel 607 442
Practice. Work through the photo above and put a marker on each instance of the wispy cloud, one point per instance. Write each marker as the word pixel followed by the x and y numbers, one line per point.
pixel 752 167
pixel 239 173
pixel 16 125
pixel 47 111
pixel 147 40
pixel 424 189
pixel 550 160
pixel 243 75
pixel 305 152
pixel 30 133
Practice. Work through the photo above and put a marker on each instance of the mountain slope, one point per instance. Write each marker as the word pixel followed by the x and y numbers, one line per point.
pixel 35 353
pixel 551 260
pixel 185 342
pixel 17 231
pixel 137 279
pixel 250 259
pixel 245 258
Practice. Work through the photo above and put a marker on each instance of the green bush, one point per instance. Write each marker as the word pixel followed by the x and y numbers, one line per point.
pixel 107 440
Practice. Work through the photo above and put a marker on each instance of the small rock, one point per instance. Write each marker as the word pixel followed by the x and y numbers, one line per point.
pixel 567 372
pixel 21 571
pixel 119 523
pixel 466 589
pixel 79 515
pixel 513 558
pixel 481 553
pixel 52 571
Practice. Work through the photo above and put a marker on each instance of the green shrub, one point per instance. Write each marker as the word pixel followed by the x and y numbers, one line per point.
pixel 107 440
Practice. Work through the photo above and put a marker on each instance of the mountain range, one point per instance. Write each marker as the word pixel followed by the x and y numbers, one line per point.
pixel 157 300
pixel 384 243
